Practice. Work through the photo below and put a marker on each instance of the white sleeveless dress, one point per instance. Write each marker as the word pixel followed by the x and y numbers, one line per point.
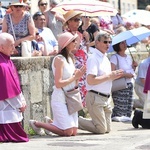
pixel 61 118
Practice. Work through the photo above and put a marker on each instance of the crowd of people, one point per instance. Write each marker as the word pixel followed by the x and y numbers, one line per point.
pixel 79 45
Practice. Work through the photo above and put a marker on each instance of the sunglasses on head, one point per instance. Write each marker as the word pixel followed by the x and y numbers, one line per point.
pixel 16 6
pixel 107 42
pixel 43 4
pixel 35 16
pixel 87 17
pixel 76 19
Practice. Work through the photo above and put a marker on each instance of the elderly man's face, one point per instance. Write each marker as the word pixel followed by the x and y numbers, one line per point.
pixel 8 47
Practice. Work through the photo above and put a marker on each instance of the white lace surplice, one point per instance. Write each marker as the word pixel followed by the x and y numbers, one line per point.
pixel 9 109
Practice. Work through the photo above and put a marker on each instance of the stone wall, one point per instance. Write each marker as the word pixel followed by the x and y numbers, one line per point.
pixel 36 82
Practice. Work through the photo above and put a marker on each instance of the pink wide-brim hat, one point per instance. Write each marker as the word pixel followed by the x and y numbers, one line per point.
pixel 65 38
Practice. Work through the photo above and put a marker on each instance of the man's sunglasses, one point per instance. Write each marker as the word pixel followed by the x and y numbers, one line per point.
pixel 16 6
pixel 43 4
pixel 107 42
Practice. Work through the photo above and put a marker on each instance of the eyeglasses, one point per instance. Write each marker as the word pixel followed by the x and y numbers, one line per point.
pixel 76 19
pixel 86 17
pixel 42 4
pixel 107 42
pixel 42 19
pixel 16 6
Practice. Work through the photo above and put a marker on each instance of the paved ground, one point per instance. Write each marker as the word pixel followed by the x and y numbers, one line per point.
pixel 122 137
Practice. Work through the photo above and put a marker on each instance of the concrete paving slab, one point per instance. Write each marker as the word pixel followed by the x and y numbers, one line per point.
pixel 122 137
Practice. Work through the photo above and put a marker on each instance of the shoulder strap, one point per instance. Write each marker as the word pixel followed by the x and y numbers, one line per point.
pixel 117 66
pixel 12 27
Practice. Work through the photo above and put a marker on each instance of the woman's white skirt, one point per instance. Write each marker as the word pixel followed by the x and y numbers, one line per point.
pixel 61 118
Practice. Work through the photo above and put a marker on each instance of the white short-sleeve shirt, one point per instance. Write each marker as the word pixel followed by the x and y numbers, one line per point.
pixel 125 63
pixel 98 64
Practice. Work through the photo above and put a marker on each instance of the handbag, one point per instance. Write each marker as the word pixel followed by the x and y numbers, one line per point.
pixel 25 48
pixel 118 84
pixel 73 100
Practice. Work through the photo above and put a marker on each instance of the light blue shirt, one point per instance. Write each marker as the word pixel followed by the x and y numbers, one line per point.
pixel 142 71
pixel 49 38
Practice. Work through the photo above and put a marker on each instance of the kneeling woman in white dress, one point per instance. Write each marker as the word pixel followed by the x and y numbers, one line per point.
pixel 66 77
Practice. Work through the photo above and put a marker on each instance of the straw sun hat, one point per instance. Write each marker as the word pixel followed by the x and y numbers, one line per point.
pixel 64 39
pixel 18 2
pixel 70 14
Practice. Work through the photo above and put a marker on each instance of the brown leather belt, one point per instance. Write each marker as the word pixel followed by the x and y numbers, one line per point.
pixel 99 93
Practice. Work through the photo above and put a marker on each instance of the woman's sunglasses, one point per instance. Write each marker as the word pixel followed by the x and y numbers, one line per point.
pixel 76 19
pixel 43 4
pixel 16 6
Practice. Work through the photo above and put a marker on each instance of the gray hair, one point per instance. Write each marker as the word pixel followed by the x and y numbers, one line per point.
pixel 54 2
pixel 100 35
pixel 5 37
pixel 120 29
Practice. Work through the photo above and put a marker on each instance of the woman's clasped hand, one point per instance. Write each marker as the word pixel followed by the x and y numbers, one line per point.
pixel 79 72
pixel 117 74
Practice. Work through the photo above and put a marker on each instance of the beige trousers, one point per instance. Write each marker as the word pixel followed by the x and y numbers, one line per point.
pixel 139 103
pixel 100 111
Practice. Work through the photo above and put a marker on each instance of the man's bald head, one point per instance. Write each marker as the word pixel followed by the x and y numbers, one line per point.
pixel 6 43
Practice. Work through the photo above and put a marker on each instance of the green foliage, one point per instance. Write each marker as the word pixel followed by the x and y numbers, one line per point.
pixel 31 132
pixel 84 113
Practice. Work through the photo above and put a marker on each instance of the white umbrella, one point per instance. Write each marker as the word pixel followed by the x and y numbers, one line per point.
pixel 138 15
pixel 131 36
pixel 89 7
